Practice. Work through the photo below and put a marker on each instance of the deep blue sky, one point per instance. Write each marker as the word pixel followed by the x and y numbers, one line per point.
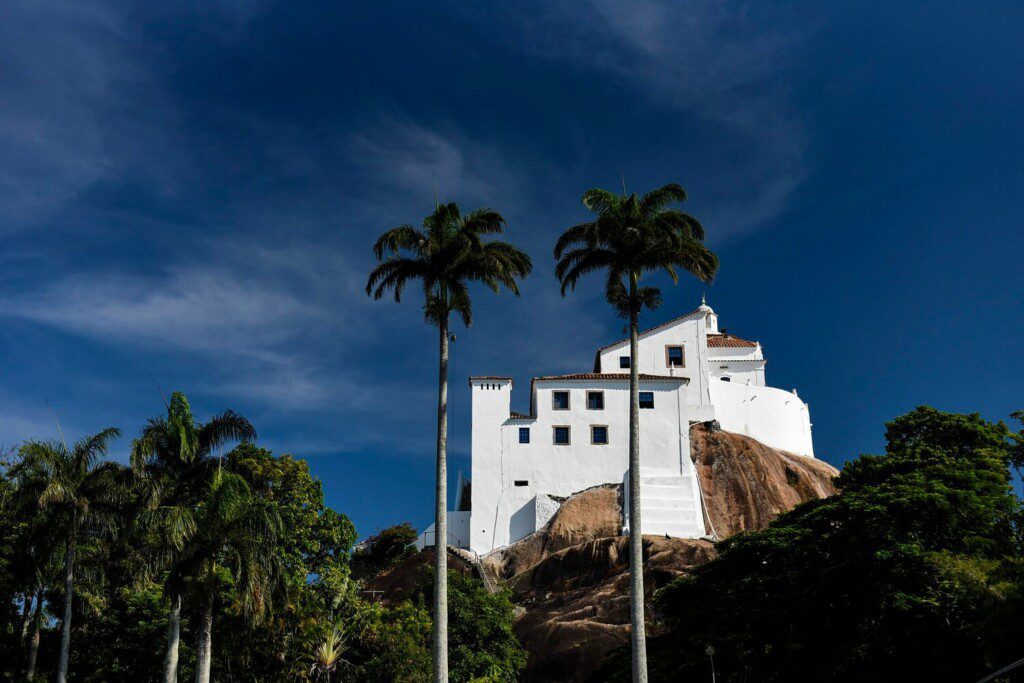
pixel 192 193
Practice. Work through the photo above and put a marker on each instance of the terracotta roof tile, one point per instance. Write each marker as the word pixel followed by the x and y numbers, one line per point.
pixel 610 375
pixel 728 340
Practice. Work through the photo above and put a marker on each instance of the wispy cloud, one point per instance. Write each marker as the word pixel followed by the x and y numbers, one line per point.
pixel 188 307
pixel 402 157
pixel 720 61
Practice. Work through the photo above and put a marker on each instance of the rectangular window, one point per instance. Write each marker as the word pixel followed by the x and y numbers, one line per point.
pixel 524 435
pixel 599 435
pixel 560 400
pixel 560 435
pixel 522 482
pixel 624 362
pixel 674 357
pixel 595 400
pixel 646 399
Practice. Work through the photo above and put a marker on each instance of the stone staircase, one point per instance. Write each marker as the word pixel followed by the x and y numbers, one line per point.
pixel 669 504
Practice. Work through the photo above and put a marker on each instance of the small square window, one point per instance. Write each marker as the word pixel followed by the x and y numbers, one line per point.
pixel 560 436
pixel 524 435
pixel 595 400
pixel 674 357
pixel 646 399
pixel 560 400
pixel 599 435
pixel 624 362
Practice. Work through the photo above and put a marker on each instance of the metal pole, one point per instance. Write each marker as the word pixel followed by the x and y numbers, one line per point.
pixel 710 652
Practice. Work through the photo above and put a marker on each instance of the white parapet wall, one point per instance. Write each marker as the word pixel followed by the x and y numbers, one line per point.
pixel 458 531
pixel 775 417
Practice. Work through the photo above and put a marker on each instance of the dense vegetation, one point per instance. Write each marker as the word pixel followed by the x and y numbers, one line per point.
pixel 913 572
pixel 262 570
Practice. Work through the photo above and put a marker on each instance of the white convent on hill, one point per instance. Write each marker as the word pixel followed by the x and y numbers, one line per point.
pixel 577 432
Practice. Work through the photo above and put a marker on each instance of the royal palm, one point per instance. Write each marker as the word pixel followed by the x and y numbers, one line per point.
pixel 444 257
pixel 632 236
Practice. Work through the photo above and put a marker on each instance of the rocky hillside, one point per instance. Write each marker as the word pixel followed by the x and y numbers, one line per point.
pixel 571 578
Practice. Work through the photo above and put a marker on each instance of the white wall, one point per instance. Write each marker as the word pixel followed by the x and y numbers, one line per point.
pixel 458 531
pixel 688 333
pixel 504 512
pixel 775 417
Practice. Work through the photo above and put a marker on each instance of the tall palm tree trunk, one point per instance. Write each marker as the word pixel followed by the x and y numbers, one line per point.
pixel 441 519
pixel 173 637
pixel 636 537
pixel 26 617
pixel 65 637
pixel 204 645
pixel 33 643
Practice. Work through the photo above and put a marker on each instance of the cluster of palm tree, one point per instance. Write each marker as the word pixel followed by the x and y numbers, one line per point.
pixel 630 236
pixel 195 525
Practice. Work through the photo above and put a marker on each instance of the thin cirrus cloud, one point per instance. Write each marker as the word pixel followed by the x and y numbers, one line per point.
pixel 721 62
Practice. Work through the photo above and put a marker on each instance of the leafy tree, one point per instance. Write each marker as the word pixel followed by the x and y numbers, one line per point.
pixel 173 457
pixel 234 546
pixel 912 572
pixel 484 646
pixel 445 256
pixel 385 550
pixel 314 563
pixel 33 539
pixel 83 494
pixel 392 643
pixel 630 237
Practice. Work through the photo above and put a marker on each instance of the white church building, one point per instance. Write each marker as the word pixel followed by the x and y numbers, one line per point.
pixel 576 434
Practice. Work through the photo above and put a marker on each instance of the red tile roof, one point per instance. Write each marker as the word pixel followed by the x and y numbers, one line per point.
pixel 728 340
pixel 610 375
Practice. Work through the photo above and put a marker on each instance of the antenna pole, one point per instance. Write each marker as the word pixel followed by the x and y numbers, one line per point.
pixel 57 421
pixel 158 388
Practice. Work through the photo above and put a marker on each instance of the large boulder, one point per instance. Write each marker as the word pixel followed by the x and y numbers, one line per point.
pixel 747 484
pixel 572 577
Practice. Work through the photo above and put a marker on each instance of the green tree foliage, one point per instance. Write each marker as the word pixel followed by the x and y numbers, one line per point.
pixel 913 572
pixel 482 644
pixel 254 515
pixel 384 550
pixel 81 494
pixel 394 644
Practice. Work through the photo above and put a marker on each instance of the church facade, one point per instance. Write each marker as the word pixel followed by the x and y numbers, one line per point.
pixel 576 434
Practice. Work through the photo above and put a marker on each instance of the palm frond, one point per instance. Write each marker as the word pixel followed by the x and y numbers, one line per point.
pixel 395 240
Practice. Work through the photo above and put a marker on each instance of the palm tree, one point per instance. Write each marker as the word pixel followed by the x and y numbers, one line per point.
pixel 235 544
pixel 37 567
pixel 630 237
pixel 445 256
pixel 83 493
pixel 173 458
